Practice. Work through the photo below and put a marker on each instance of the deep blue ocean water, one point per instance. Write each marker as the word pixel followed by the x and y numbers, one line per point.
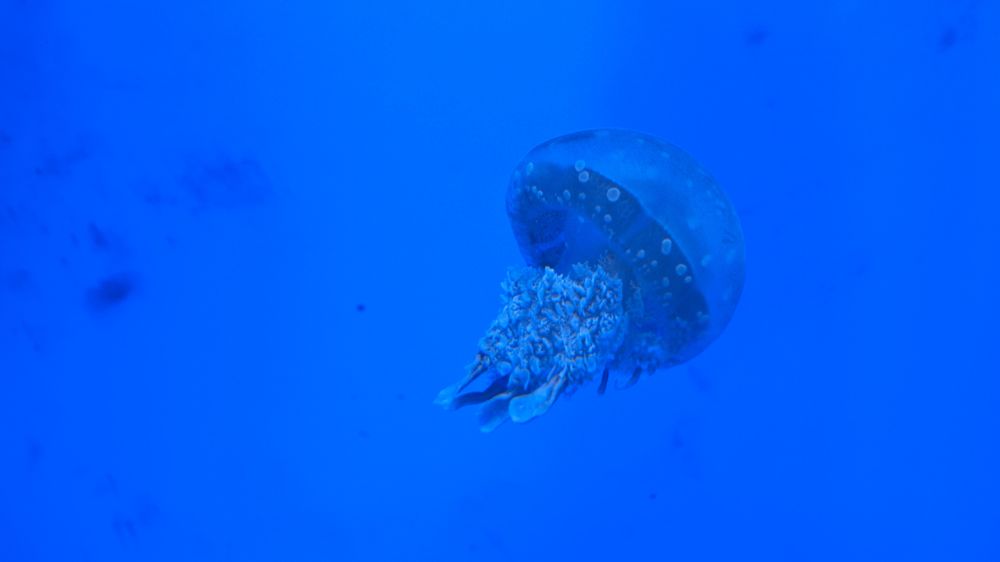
pixel 244 244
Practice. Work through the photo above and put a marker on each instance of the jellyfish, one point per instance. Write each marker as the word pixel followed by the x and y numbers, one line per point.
pixel 634 264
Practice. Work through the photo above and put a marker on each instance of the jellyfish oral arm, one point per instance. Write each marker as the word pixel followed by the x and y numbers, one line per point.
pixel 554 333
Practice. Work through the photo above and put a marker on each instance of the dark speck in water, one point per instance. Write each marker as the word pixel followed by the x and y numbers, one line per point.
pixel 35 452
pixel 123 526
pixel 360 308
pixel 110 291
pixel 107 485
pixel 146 511
pixel 97 236
pixel 152 196
pixel 18 280
pixel 948 39
pixel 228 183
pixel 5 139
pixel 32 334
pixel 756 36
pixel 53 165
pixel 652 496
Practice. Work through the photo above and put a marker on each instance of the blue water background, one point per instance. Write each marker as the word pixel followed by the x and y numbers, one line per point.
pixel 244 244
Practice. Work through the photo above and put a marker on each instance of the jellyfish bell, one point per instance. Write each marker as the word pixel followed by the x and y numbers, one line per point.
pixel 634 263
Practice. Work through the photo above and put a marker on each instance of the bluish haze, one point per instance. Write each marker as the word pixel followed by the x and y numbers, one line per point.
pixel 244 244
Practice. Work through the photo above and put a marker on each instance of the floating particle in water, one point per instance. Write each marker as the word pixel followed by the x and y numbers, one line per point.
pixel 756 36
pixel 35 452
pixel 961 26
pixel 145 511
pixel 947 39
pixel 18 280
pixel 107 485
pixel 591 300
pixel 111 291
pixel 227 182
pixel 62 163
pixel 97 236
pixel 124 527
pixel 360 307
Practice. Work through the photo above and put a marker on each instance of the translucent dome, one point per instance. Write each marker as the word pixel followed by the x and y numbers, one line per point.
pixel 622 197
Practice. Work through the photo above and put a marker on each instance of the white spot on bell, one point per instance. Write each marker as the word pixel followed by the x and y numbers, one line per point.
pixel 640 254
pixel 530 167
pixel 613 194
pixel 584 176
pixel 666 246
pixel 681 269
pixel 607 218
pixel 580 165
